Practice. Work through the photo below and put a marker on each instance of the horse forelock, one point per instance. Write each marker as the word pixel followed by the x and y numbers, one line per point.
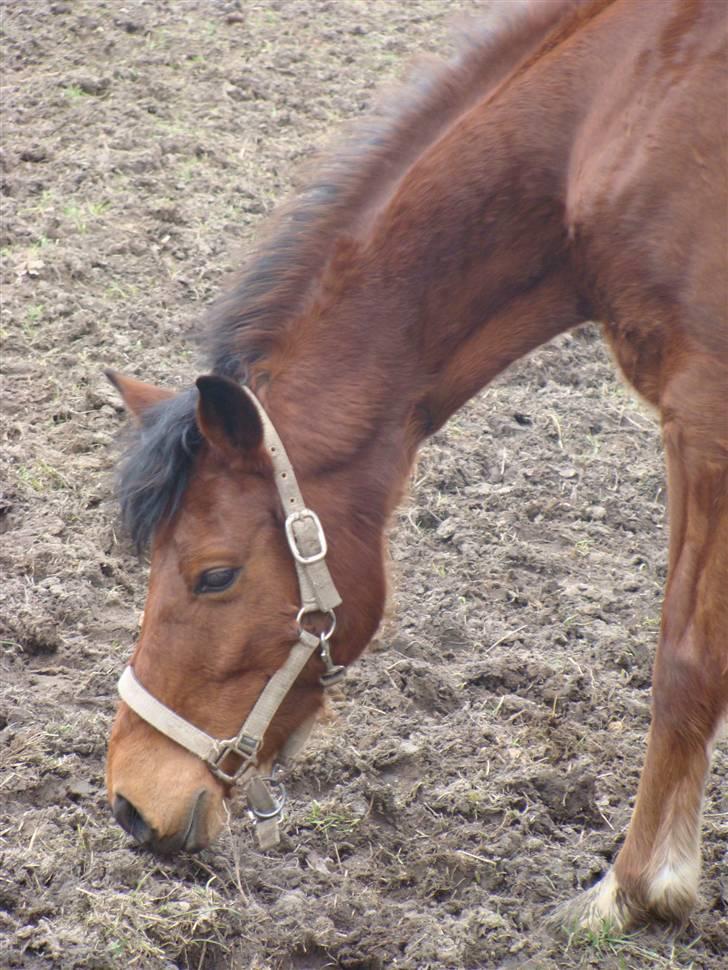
pixel 156 466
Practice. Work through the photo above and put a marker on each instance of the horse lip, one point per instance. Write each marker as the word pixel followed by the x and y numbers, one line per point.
pixel 194 839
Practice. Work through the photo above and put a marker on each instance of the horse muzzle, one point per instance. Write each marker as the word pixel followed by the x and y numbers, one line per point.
pixel 192 835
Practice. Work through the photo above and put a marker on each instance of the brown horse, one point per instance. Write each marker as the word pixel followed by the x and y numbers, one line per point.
pixel 568 165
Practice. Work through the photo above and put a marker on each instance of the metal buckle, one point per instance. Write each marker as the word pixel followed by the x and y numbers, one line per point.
pixel 302 516
pixel 305 610
pixel 244 747
pixel 333 672
pixel 277 791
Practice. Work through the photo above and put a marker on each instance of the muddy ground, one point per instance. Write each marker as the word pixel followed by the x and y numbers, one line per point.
pixel 485 753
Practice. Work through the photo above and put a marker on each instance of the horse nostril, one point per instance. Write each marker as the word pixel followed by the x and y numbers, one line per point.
pixel 132 821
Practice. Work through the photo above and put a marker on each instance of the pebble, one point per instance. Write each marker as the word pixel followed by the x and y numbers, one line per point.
pixel 446 529
pixel 597 513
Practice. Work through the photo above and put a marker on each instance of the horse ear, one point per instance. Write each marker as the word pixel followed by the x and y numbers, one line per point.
pixel 226 416
pixel 136 395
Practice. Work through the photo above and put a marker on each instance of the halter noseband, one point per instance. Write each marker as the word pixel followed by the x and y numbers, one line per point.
pixel 307 543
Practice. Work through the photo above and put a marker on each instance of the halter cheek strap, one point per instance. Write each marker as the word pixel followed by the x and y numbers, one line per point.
pixel 307 543
pixel 304 531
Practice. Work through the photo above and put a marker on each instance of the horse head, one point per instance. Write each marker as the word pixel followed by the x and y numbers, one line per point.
pixel 224 610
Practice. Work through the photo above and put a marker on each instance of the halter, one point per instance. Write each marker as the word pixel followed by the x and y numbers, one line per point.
pixel 307 543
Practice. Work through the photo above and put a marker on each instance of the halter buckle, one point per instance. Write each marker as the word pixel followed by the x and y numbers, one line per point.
pixel 266 797
pixel 333 673
pixel 305 515
pixel 246 748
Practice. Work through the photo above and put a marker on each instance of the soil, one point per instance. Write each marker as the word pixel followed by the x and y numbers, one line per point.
pixel 481 760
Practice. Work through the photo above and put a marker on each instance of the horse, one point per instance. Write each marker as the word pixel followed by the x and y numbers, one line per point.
pixel 567 164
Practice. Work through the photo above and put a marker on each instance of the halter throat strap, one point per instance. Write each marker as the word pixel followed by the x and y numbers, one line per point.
pixel 307 543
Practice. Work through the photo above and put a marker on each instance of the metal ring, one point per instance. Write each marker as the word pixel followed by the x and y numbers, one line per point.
pixel 279 796
pixel 323 637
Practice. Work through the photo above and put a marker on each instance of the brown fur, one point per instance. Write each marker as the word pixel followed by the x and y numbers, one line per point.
pixel 573 168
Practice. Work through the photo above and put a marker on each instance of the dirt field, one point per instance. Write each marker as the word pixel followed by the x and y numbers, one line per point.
pixel 483 757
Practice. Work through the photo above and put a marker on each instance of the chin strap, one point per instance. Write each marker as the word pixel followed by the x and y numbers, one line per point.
pixel 307 543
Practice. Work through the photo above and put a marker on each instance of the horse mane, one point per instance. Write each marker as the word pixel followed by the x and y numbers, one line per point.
pixel 342 186
pixel 254 316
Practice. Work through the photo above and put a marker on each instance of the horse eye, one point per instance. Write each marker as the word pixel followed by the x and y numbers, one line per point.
pixel 216 580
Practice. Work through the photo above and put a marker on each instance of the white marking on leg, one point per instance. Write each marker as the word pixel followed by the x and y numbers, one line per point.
pixel 673 886
pixel 602 905
pixel 674 870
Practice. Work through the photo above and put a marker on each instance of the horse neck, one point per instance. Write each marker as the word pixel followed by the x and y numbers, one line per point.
pixel 465 269
pixel 477 241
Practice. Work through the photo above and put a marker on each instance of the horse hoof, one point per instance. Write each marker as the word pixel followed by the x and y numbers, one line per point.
pixel 603 908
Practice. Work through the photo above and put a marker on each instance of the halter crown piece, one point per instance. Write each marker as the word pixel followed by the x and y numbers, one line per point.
pixel 307 543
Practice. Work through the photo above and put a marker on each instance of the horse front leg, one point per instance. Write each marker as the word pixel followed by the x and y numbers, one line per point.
pixel 655 875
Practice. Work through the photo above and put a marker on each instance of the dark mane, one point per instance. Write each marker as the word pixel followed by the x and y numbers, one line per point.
pixel 254 316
